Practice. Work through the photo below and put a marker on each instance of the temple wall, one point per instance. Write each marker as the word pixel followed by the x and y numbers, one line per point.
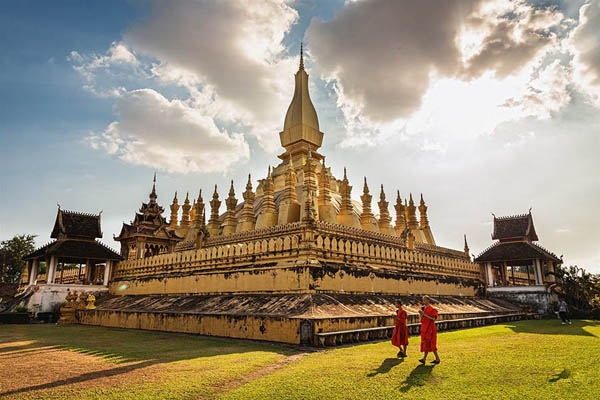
pixel 274 329
pixel 280 279
pixel 535 296
pixel 392 282
pixel 299 257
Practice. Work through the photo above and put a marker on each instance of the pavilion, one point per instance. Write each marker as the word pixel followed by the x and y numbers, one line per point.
pixel 74 262
pixel 515 260
pixel 515 268
pixel 75 244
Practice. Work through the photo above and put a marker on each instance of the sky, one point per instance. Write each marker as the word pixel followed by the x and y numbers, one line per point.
pixel 482 106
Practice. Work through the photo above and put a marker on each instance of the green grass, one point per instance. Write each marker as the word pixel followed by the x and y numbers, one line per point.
pixel 523 360
pixel 183 366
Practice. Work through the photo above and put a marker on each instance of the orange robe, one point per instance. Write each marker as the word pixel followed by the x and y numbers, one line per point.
pixel 428 330
pixel 400 333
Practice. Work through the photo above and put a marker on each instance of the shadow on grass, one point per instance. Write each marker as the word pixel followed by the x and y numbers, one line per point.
pixel 554 327
pixel 82 378
pixel 386 366
pixel 564 374
pixel 417 377
pixel 118 346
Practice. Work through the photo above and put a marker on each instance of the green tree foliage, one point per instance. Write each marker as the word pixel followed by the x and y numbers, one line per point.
pixel 580 288
pixel 11 257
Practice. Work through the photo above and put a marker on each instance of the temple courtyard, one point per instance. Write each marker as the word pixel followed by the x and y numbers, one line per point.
pixel 533 359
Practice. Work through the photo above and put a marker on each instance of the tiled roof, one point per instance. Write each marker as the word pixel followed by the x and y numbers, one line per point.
pixel 76 225
pixel 515 251
pixel 516 226
pixel 76 249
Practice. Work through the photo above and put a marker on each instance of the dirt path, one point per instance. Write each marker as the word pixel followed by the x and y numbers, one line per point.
pixel 26 369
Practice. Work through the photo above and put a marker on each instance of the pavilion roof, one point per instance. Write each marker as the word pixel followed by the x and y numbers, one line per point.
pixel 514 227
pixel 76 225
pixel 502 251
pixel 76 250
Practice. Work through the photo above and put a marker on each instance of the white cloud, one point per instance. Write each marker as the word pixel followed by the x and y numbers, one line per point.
pixel 584 43
pixel 99 72
pixel 444 69
pixel 383 53
pixel 508 34
pixel 224 61
pixel 229 52
pixel 156 132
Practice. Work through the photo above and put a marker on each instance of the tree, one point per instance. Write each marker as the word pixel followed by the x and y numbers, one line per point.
pixel 580 288
pixel 11 257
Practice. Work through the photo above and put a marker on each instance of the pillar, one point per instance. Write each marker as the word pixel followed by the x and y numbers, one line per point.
pixel 551 277
pixel 51 269
pixel 490 275
pixel 107 268
pixel 537 270
pixel 88 271
pixel 26 272
pixel 34 271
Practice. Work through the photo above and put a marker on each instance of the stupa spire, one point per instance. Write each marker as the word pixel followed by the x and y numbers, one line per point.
pixel 174 211
pixel 384 215
pixel 247 219
pixel 301 125
pixel 213 223
pixel 153 195
pixel 230 221
pixel 199 213
pixel 185 216
pixel 400 215
pixel 412 214
pixel 267 216
pixel 289 206
pixel 424 223
pixel 368 221
pixel 347 216
pixel 327 211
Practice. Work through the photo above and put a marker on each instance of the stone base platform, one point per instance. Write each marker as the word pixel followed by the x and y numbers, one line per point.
pixel 287 318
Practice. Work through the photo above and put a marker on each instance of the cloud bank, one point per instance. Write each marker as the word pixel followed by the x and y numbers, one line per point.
pixel 404 68
pixel 220 66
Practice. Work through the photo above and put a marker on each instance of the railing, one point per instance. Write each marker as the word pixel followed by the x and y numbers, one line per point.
pixel 325 241
pixel 323 339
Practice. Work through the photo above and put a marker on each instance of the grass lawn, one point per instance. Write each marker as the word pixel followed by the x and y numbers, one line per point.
pixel 522 360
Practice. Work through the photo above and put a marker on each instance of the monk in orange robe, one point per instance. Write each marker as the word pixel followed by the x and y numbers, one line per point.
pixel 400 333
pixel 428 330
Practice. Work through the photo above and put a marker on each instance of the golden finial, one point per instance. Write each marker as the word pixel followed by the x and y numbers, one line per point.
pixel 382 194
pixel 422 201
pixel 301 58
pixel 215 194
pixel 366 187
pixel 249 184
pixel 231 190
